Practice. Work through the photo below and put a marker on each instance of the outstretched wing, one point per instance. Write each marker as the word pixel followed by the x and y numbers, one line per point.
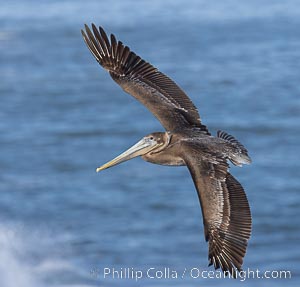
pixel 156 91
pixel 225 210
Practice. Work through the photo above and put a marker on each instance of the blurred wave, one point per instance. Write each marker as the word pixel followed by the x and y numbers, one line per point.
pixel 30 258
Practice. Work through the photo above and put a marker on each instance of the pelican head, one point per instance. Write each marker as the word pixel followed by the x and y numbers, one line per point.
pixel 150 144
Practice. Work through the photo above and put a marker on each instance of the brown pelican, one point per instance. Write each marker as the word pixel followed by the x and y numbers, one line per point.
pixel 225 209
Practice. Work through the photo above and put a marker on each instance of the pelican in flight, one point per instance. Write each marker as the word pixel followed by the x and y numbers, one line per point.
pixel 186 141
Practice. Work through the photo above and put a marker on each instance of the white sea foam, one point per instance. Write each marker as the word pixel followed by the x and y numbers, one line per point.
pixel 27 260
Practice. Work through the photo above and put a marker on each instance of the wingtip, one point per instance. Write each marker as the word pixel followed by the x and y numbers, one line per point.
pixel 95 30
pixel 113 39
pixel 87 30
pixel 101 30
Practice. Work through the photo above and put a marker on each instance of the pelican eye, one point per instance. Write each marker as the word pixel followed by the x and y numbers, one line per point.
pixel 152 138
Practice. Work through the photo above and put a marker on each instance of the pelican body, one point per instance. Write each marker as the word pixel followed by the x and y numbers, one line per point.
pixel 186 142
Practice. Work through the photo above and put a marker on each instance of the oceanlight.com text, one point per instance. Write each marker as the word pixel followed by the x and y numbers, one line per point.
pixel 169 273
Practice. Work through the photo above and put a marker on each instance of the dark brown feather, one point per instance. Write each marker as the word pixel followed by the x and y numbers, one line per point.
pixel 156 91
pixel 225 210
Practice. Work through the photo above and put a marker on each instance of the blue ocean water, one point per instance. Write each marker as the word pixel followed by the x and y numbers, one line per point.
pixel 61 116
